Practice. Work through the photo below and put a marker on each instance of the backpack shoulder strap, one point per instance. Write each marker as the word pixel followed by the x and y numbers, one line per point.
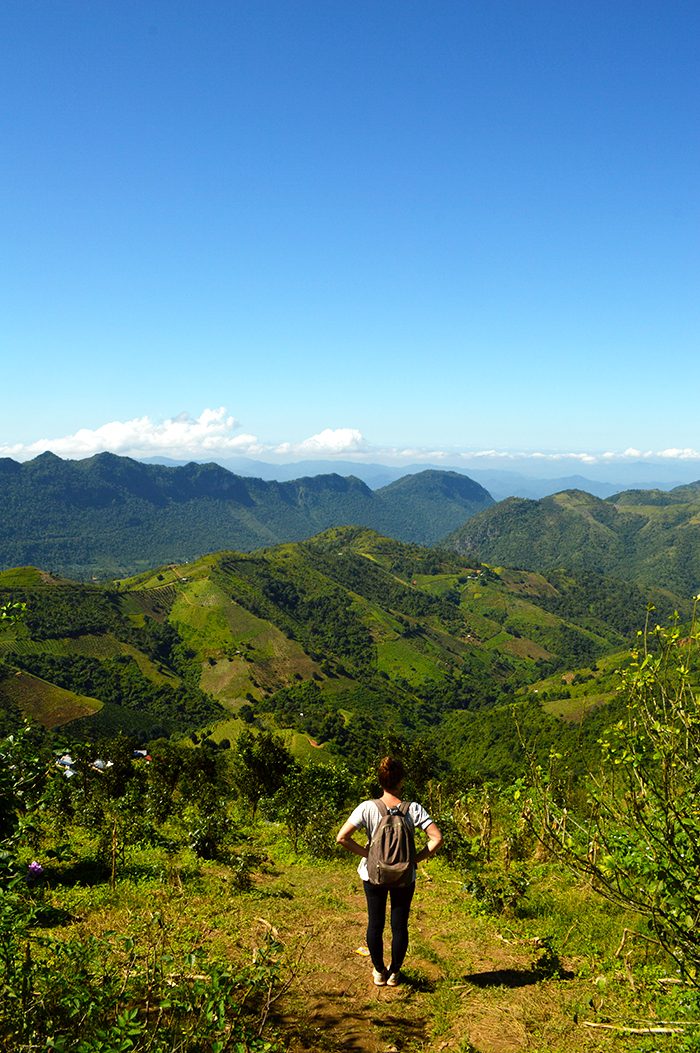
pixel 381 806
pixel 404 806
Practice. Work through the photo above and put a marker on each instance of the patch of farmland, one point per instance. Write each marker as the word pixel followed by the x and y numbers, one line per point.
pixel 23 578
pixel 242 624
pixel 300 745
pixel 521 647
pixel 24 645
pixel 205 594
pixel 228 680
pixel 481 627
pixel 152 602
pixel 399 658
pixel 103 646
pixel 574 709
pixel 279 660
pixel 202 628
pixel 440 584
pixel 45 703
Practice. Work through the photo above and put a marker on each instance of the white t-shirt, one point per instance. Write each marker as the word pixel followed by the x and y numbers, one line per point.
pixel 366 817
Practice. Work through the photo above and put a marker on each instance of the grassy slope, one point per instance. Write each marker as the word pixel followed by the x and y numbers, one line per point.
pixel 20 577
pixel 487 602
pixel 45 703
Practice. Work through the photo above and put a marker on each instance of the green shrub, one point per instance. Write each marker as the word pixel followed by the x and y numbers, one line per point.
pixel 637 839
pixel 495 890
pixel 115 995
pixel 310 803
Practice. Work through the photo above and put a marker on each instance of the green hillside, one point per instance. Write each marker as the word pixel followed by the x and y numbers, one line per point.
pixel 109 516
pixel 651 537
pixel 80 659
pixel 335 642
pixel 195 898
pixel 43 702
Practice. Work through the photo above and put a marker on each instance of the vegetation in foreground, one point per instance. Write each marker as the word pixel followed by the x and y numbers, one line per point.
pixel 193 900
pixel 127 925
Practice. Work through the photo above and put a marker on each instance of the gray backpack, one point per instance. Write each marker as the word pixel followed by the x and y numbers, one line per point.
pixel 392 850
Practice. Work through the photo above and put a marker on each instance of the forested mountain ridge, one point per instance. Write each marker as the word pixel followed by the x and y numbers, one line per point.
pixel 109 516
pixel 339 639
pixel 648 536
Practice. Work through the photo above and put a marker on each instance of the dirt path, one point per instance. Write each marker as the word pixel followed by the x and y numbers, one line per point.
pixel 465 987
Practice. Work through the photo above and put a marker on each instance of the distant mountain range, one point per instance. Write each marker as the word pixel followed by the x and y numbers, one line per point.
pixel 499 482
pixel 110 516
pixel 646 536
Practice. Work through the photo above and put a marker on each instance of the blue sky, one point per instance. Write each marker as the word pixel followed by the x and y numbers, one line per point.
pixel 372 229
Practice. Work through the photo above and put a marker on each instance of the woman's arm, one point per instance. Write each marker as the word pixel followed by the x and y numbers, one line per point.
pixel 345 839
pixel 434 842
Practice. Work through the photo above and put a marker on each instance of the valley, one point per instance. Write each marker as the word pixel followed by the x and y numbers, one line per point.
pixel 333 641
pixel 222 713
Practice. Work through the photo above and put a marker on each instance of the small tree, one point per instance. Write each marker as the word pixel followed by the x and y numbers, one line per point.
pixel 261 763
pixel 310 800
pixel 639 842
pixel 23 777
pixel 23 767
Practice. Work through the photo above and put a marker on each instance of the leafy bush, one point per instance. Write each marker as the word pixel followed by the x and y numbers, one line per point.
pixel 639 838
pixel 242 866
pixel 497 891
pixel 23 764
pixel 309 804
pixel 117 994
pixel 261 764
pixel 458 849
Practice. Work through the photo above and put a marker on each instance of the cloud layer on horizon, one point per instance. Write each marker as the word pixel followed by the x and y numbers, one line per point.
pixel 212 435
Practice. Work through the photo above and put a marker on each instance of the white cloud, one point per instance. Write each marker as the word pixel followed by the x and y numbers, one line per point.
pixel 181 436
pixel 680 455
pixel 327 443
pixel 340 440
pixel 209 435
pixel 214 435
pixel 529 455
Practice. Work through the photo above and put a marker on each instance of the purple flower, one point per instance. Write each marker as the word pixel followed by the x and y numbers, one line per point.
pixel 35 871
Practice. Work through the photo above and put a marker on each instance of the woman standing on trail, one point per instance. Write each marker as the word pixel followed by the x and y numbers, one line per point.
pixel 368 816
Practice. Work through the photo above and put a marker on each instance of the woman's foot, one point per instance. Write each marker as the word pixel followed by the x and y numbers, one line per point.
pixel 380 978
pixel 393 979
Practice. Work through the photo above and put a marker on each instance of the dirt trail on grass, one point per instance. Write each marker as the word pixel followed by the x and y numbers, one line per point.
pixel 466 988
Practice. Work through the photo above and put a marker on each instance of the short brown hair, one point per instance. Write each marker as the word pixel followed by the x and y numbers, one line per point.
pixel 390 773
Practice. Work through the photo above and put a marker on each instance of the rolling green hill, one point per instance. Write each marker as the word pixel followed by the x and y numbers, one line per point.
pixel 109 516
pixel 651 537
pixel 46 703
pixel 335 641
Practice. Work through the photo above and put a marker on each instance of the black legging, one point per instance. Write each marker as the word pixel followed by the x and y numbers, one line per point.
pixel 376 913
